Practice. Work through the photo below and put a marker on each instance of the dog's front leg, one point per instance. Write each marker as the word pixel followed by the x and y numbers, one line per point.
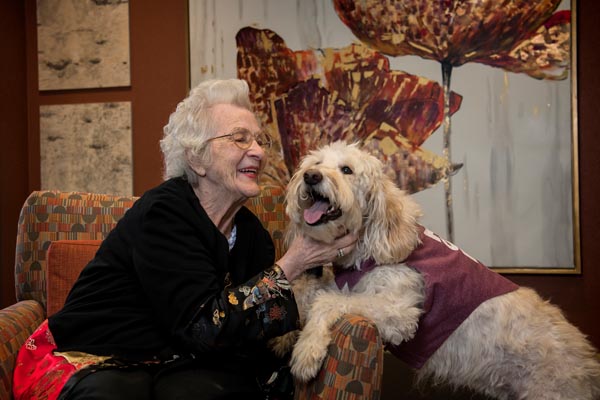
pixel 282 345
pixel 311 348
pixel 395 318
pixel 391 297
pixel 305 289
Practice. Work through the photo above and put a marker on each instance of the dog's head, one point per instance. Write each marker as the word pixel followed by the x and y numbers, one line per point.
pixel 340 188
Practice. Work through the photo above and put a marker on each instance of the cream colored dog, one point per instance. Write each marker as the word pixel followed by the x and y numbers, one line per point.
pixel 463 325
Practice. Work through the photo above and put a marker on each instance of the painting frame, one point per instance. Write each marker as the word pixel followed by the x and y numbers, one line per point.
pixel 574 264
pixel 575 189
pixel 576 269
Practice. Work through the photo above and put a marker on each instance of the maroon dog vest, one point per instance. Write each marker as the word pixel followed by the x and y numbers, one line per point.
pixel 455 285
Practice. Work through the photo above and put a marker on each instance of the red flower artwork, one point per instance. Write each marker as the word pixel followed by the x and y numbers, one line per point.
pixel 521 36
pixel 516 35
pixel 312 97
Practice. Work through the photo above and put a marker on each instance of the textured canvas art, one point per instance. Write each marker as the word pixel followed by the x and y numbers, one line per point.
pixel 82 44
pixel 87 147
pixel 468 103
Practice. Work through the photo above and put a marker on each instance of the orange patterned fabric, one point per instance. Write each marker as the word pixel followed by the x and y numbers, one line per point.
pixel 353 367
pixel 65 260
pixel 269 207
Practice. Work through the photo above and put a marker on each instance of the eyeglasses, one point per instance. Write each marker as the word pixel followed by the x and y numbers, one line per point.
pixel 243 138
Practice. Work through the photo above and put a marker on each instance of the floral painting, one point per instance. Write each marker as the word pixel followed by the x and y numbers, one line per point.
pixel 467 103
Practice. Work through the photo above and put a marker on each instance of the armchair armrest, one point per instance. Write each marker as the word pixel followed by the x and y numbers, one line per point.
pixel 353 367
pixel 17 323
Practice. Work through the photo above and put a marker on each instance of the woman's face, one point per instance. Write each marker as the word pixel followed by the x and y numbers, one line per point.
pixel 234 172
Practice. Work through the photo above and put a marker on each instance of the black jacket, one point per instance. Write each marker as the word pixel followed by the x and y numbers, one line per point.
pixel 164 282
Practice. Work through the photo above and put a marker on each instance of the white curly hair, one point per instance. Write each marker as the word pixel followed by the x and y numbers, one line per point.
pixel 191 124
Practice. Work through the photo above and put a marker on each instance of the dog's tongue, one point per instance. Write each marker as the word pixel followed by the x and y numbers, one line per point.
pixel 314 213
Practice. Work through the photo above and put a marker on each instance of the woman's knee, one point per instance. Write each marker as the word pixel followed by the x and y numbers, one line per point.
pixel 111 384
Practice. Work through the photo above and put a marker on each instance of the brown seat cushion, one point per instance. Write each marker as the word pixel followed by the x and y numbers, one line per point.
pixel 65 259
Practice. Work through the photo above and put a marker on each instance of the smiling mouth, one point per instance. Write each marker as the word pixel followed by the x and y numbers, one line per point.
pixel 253 171
pixel 321 211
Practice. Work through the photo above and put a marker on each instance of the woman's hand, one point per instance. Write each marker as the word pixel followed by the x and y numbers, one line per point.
pixel 305 253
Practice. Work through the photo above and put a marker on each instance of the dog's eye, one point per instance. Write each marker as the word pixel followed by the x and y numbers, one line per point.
pixel 346 170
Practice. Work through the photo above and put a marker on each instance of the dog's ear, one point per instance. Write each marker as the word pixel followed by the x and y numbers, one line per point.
pixel 292 230
pixel 391 230
pixel 291 197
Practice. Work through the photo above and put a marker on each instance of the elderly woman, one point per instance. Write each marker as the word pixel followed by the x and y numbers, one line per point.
pixel 184 293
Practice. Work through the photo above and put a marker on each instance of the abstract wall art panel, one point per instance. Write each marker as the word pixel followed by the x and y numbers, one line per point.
pixel 83 44
pixel 87 147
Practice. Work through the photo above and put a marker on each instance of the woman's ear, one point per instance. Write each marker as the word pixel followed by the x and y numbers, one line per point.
pixel 194 163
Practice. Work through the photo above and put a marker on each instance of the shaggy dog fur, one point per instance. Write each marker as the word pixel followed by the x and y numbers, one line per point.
pixel 513 346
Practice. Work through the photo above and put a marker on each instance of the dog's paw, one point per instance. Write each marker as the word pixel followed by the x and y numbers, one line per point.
pixel 308 355
pixel 395 335
pixel 400 328
pixel 282 345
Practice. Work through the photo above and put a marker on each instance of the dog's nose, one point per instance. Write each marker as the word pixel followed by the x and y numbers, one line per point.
pixel 312 177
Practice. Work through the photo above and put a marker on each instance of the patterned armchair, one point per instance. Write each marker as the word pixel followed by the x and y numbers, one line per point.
pixel 58 232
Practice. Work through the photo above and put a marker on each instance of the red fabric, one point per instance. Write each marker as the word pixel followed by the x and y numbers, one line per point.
pixel 39 374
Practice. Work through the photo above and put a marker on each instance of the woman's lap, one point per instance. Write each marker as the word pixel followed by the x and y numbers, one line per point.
pixel 205 384
pixel 115 384
pixel 171 384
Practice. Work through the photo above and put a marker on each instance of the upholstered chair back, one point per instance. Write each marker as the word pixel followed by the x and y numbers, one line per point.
pixel 49 216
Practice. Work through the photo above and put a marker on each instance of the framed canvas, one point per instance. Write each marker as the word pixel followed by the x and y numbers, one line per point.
pixel 475 118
